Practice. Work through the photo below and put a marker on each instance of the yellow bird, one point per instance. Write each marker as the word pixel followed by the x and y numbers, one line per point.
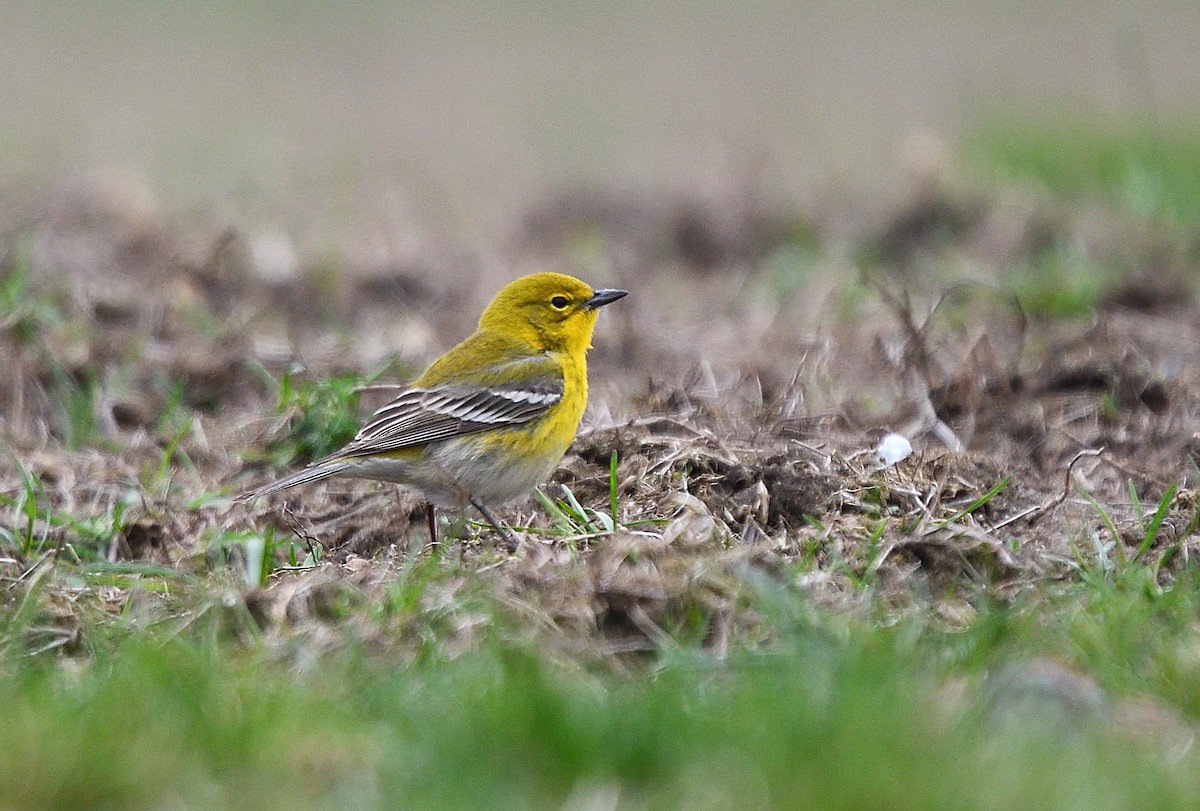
pixel 489 420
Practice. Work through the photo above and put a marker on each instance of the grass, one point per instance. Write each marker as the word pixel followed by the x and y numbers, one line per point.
pixel 38 319
pixel 185 695
pixel 1143 178
pixel 1148 170
pixel 34 528
pixel 838 714
pixel 316 417
pixel 1059 283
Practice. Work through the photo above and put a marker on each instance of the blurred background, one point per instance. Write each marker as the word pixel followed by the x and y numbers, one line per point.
pixel 450 116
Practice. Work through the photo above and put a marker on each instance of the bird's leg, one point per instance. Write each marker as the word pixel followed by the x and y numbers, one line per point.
pixel 510 540
pixel 430 523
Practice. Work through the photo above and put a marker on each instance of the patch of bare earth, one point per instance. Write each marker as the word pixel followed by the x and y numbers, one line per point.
pixel 743 399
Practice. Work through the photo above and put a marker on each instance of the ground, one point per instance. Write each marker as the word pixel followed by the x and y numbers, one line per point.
pixel 724 502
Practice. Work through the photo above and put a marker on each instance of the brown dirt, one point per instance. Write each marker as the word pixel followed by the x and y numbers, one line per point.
pixel 743 406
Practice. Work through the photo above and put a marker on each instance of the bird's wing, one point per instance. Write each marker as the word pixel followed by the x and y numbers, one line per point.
pixel 513 392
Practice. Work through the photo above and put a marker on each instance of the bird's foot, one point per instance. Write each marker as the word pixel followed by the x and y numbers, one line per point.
pixel 510 541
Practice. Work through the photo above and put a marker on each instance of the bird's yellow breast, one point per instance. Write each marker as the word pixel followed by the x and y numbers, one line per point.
pixel 548 437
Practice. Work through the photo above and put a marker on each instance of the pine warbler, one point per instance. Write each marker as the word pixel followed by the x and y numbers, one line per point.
pixel 489 420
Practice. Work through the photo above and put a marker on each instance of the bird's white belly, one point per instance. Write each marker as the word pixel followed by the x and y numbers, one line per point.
pixel 489 475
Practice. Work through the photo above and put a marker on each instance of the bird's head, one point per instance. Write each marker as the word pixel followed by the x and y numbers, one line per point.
pixel 549 310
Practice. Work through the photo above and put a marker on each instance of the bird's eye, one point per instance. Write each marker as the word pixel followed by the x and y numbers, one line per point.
pixel 559 302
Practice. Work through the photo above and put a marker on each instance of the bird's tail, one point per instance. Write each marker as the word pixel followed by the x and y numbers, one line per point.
pixel 313 473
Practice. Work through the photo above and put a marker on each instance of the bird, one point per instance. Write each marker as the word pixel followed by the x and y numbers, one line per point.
pixel 489 420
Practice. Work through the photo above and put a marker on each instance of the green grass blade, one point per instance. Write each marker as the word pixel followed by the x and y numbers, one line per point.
pixel 977 503
pixel 557 515
pixel 612 488
pixel 1156 522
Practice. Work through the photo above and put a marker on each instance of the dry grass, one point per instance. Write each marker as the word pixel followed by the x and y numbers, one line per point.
pixel 1004 574
pixel 141 355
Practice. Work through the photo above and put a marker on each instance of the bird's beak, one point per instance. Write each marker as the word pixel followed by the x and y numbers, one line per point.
pixel 602 297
